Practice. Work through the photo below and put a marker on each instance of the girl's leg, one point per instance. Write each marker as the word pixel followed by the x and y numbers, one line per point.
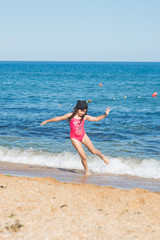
pixel 78 146
pixel 87 142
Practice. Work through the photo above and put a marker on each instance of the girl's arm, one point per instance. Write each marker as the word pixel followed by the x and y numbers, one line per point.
pixel 57 119
pixel 96 119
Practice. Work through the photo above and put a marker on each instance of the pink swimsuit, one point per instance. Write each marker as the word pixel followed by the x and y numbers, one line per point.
pixel 77 129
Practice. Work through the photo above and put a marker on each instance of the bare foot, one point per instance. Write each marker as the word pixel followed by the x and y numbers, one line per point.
pixel 105 160
pixel 87 173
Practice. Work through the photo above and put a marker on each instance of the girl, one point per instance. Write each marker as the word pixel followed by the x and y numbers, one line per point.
pixel 77 132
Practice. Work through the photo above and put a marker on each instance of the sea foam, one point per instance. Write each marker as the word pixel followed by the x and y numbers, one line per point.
pixel 146 168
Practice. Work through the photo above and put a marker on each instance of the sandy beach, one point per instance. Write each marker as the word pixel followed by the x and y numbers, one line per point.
pixel 43 208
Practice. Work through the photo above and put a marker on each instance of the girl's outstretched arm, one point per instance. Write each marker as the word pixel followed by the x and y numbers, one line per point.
pixel 96 119
pixel 57 119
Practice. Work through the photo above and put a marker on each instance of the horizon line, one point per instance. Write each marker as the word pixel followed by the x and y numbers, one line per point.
pixel 78 61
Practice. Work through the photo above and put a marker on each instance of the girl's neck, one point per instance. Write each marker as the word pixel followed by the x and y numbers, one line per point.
pixel 77 116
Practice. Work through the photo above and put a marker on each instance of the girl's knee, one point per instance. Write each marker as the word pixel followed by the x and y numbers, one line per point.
pixel 94 151
pixel 84 157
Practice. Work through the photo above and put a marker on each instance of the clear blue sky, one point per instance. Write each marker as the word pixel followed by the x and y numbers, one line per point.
pixel 80 30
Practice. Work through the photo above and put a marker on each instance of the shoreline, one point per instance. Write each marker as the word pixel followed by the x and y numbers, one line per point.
pixel 125 182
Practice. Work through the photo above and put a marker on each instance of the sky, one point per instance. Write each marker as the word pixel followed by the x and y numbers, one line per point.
pixel 80 30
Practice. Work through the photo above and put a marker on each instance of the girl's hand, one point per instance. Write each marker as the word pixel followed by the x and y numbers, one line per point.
pixel 107 111
pixel 43 123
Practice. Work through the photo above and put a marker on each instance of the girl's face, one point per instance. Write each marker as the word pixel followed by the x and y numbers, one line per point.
pixel 81 112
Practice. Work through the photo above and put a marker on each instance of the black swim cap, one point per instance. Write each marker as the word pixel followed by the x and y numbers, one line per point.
pixel 81 105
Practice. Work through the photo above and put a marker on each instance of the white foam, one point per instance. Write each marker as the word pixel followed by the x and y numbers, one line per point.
pixel 147 168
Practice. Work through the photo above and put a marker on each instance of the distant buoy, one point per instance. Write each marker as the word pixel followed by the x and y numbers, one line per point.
pixel 139 97
pixel 89 100
pixel 154 94
pixel 100 85
pixel 114 98
pixel 125 97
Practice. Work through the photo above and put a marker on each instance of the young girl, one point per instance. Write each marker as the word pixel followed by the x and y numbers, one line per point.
pixel 77 133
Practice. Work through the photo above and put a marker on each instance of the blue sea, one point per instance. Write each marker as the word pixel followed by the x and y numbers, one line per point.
pixel 31 92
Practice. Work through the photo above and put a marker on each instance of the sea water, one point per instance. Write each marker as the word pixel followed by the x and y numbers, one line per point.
pixel 31 92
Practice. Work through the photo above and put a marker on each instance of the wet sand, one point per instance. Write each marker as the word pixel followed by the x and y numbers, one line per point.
pixel 74 176
pixel 42 208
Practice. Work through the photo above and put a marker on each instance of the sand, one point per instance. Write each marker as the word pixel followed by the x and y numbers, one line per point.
pixel 43 208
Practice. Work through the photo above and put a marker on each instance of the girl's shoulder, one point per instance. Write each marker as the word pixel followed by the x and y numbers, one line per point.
pixel 64 117
pixel 86 117
pixel 69 114
pixel 90 118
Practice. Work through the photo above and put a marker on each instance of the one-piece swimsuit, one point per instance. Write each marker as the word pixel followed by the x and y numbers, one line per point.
pixel 77 129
